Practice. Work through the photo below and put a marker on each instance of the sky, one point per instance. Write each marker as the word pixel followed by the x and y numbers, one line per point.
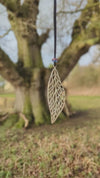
pixel 9 42
pixel 87 58
pixel 44 21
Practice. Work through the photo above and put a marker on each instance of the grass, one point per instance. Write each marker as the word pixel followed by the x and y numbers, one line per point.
pixel 84 102
pixel 68 149
pixel 7 95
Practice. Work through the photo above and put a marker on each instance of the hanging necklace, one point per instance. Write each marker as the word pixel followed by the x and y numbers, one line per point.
pixel 55 90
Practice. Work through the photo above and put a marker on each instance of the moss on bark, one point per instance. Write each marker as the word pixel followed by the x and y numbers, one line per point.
pixel 12 5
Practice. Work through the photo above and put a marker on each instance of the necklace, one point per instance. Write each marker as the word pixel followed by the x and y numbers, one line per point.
pixel 55 90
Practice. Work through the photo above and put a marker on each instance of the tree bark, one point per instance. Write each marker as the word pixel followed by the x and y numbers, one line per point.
pixel 38 96
pixel 32 101
pixel 9 71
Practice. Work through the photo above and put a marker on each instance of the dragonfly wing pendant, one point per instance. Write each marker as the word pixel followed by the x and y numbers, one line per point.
pixel 56 95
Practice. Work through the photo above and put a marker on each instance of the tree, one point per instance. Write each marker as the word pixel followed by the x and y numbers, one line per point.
pixel 28 76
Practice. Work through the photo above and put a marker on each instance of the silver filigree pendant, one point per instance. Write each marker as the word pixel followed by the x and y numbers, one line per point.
pixel 55 95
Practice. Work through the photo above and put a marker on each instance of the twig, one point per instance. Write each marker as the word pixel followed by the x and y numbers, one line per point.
pixel 4 117
pixel 78 10
pixel 25 119
pixel 2 36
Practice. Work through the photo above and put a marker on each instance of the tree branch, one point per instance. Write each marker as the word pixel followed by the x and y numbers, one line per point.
pixel 8 70
pixel 79 10
pixel 2 36
pixel 85 34
pixel 70 58
pixel 72 54
pixel 25 119
pixel 43 37
pixel 4 117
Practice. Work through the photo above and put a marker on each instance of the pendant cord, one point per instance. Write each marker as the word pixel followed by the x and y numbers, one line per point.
pixel 55 32
pixel 55 28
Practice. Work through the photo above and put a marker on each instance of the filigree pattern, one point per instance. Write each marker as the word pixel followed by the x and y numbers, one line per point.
pixel 56 95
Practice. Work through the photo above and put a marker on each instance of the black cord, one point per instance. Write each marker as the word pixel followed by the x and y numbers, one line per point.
pixel 55 28
pixel 55 32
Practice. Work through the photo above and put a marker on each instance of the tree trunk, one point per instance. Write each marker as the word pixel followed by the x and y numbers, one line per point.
pixel 28 76
pixel 31 101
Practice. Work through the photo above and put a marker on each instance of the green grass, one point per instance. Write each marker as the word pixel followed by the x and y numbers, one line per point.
pixel 66 149
pixel 7 95
pixel 84 102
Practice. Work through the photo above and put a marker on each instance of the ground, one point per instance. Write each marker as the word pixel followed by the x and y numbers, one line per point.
pixel 67 149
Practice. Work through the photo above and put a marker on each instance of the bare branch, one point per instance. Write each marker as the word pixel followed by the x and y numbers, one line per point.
pixel 78 10
pixel 4 117
pixel 43 37
pixel 9 71
pixel 82 41
pixel 25 119
pixel 2 36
